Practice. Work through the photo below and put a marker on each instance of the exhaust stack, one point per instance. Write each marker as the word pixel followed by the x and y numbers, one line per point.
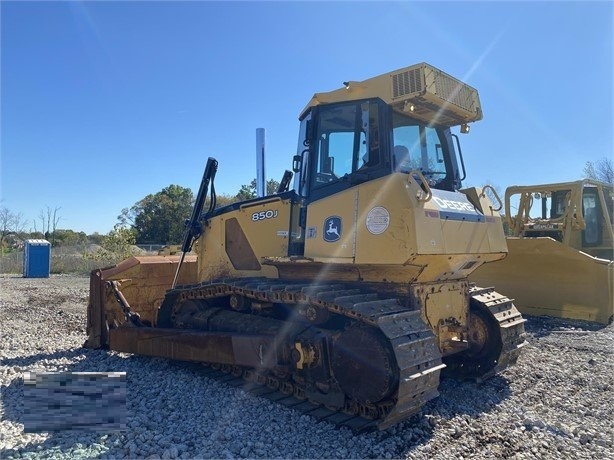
pixel 260 172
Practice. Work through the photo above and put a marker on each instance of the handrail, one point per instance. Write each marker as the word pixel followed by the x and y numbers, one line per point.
pixel 496 195
pixel 427 189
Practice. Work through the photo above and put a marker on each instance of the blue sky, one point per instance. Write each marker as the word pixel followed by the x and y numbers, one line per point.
pixel 106 102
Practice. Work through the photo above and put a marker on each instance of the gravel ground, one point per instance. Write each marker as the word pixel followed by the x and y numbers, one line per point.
pixel 557 402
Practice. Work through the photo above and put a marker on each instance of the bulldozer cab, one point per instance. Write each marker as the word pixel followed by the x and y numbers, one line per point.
pixel 394 124
pixel 354 142
pixel 347 145
pixel 578 214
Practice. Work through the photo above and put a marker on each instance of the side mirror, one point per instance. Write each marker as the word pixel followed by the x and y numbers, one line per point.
pixel 296 163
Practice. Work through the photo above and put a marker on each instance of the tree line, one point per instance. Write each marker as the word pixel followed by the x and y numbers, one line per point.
pixel 158 218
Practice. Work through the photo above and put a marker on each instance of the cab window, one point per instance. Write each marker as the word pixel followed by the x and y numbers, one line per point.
pixel 347 141
pixel 592 219
pixel 418 147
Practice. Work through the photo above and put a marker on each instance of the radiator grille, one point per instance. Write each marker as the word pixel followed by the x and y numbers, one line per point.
pixel 426 80
pixel 407 82
pixel 455 92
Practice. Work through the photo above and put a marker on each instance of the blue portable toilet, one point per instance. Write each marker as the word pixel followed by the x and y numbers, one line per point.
pixel 36 259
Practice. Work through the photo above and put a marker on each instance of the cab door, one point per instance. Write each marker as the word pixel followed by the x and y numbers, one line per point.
pixel 330 230
pixel 344 151
pixel 592 235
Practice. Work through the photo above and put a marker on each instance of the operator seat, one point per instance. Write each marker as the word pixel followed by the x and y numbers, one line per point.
pixel 401 157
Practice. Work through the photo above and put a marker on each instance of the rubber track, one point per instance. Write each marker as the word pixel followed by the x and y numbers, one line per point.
pixel 411 340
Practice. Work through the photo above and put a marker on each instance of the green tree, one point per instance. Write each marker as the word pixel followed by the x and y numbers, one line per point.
pixel 115 245
pixel 119 241
pixel 95 238
pixel 602 171
pixel 10 223
pixel 223 200
pixel 248 191
pixel 69 238
pixel 160 218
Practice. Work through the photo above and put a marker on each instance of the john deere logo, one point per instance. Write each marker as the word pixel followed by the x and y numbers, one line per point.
pixel 332 229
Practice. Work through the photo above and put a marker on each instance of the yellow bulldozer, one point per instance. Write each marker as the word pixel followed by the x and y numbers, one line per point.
pixel 560 260
pixel 347 296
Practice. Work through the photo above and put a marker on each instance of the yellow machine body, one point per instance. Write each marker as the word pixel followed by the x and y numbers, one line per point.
pixel 387 234
pixel 560 256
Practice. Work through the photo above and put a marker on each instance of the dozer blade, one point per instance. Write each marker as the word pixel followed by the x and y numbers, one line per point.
pixel 548 278
pixel 143 280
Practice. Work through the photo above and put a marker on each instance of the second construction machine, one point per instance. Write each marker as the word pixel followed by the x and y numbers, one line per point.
pixel 347 296
pixel 561 251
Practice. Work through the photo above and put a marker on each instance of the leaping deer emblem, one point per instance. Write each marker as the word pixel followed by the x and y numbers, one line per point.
pixel 332 229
